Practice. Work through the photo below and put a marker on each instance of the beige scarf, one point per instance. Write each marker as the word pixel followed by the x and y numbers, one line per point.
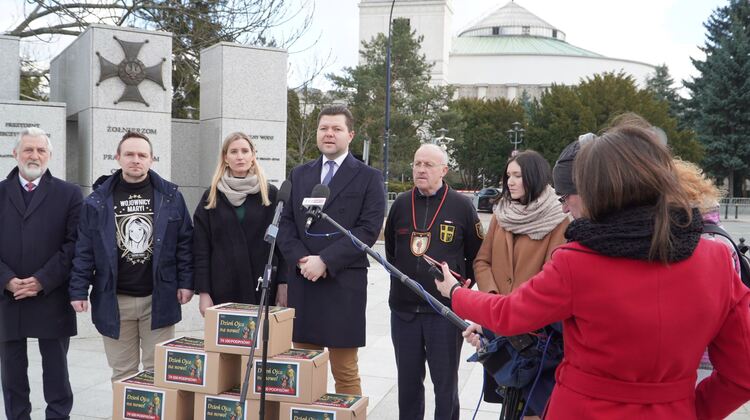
pixel 535 219
pixel 237 189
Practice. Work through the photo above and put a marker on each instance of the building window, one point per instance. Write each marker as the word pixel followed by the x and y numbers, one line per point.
pixel 525 30
pixel 554 33
pixel 495 30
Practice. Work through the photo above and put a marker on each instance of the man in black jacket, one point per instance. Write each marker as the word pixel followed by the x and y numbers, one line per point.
pixel 134 250
pixel 434 220
pixel 38 220
pixel 328 288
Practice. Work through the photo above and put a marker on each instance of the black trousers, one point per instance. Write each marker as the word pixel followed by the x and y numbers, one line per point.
pixel 14 365
pixel 426 337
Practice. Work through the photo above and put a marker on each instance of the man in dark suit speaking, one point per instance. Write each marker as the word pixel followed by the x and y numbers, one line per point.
pixel 329 289
pixel 38 220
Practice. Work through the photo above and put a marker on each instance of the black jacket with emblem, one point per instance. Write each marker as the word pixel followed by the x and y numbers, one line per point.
pixel 455 238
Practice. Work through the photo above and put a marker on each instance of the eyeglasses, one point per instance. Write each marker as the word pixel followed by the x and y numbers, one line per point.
pixel 426 165
pixel 562 198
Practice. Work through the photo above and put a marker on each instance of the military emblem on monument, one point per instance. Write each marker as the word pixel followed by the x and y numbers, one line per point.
pixel 131 71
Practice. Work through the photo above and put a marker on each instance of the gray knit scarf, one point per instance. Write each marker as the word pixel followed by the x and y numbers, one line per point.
pixel 237 189
pixel 535 219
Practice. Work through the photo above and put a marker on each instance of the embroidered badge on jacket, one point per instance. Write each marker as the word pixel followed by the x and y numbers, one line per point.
pixel 447 232
pixel 420 241
pixel 480 230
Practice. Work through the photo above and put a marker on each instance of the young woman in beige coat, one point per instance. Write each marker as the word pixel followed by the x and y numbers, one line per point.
pixel 527 225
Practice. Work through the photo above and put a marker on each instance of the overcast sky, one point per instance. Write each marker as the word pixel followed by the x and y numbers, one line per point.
pixel 651 31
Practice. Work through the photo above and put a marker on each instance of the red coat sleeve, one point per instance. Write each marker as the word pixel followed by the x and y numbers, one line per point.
pixel 728 387
pixel 544 299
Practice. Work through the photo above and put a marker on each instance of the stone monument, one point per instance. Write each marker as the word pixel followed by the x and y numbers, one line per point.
pixel 244 89
pixel 10 63
pixel 114 79
pixel 16 114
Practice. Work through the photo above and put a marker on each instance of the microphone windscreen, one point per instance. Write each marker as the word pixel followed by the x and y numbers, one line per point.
pixel 320 191
pixel 284 192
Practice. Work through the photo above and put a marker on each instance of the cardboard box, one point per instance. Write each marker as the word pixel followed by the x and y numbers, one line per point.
pixel 230 327
pixel 293 376
pixel 226 406
pixel 182 363
pixel 327 407
pixel 137 397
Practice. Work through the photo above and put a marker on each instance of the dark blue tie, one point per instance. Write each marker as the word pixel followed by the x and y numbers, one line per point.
pixel 331 165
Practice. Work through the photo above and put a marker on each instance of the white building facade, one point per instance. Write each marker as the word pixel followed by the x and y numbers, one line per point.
pixel 503 54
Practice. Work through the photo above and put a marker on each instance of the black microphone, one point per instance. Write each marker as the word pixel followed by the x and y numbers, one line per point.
pixel 315 203
pixel 281 197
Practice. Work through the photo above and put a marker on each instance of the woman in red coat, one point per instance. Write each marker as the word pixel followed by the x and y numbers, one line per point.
pixel 639 293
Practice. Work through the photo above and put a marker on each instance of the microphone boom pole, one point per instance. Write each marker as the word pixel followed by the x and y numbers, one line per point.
pixel 408 282
pixel 510 408
pixel 263 306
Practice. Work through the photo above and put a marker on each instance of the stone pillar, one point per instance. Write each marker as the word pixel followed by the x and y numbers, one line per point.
pixel 115 79
pixel 244 89
pixel 17 115
pixel 10 68
pixel 185 160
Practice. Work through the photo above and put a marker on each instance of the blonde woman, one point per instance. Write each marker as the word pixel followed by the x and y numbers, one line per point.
pixel 704 195
pixel 230 222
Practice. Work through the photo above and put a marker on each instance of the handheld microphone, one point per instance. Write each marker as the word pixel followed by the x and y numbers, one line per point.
pixel 281 197
pixel 315 203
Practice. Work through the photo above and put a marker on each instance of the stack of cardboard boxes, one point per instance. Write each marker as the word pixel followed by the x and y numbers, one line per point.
pixel 201 379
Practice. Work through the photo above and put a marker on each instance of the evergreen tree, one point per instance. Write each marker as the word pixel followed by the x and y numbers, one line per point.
pixel 565 112
pixel 661 86
pixel 718 108
pixel 303 107
pixel 480 147
pixel 33 83
pixel 558 118
pixel 414 102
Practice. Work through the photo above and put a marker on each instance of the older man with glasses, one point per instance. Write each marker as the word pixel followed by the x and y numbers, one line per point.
pixel 431 220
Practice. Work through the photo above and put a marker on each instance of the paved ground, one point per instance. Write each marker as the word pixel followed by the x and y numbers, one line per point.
pixel 93 397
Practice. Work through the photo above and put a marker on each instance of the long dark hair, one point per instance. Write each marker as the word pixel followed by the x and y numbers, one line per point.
pixel 628 167
pixel 536 175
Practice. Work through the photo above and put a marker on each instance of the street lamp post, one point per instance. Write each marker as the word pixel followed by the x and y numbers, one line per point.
pixel 366 150
pixel 442 138
pixel 515 136
pixel 387 132
pixel 442 132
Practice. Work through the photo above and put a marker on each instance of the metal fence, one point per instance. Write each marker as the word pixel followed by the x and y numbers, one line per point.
pixel 735 207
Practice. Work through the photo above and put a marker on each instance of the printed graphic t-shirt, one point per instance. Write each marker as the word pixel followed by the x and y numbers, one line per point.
pixel 134 221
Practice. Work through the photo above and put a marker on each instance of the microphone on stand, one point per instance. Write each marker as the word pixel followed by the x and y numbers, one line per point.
pixel 314 204
pixel 281 197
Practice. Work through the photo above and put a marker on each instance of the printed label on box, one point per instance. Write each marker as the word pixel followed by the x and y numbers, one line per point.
pixel 185 368
pixel 338 400
pixel 218 408
pixel 302 354
pixel 247 307
pixel 143 404
pixel 281 378
pixel 186 343
pixel 235 330
pixel 143 378
pixel 297 413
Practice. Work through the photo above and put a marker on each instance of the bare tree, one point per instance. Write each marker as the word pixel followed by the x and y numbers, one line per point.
pixel 195 25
